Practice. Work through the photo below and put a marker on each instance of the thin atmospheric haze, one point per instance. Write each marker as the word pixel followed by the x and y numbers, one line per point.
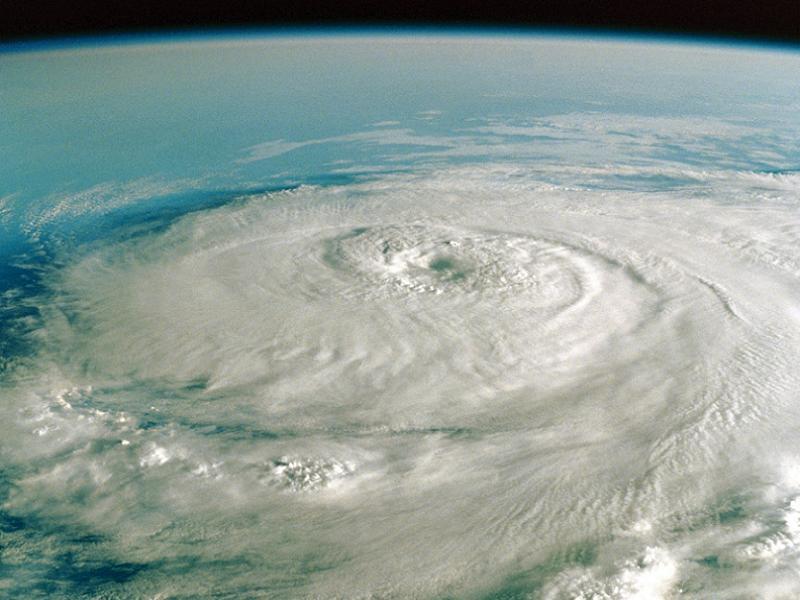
pixel 370 315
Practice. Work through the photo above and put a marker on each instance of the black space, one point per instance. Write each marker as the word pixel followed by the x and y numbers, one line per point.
pixel 776 20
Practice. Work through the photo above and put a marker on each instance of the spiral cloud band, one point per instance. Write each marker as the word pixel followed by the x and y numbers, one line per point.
pixel 465 370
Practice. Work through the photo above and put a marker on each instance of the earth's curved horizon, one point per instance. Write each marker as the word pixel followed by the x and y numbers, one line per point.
pixel 367 315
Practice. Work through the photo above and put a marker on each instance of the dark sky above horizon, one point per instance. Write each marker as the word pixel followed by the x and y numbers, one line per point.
pixel 770 19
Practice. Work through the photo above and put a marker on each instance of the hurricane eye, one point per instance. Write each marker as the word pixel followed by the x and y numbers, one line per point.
pixel 442 265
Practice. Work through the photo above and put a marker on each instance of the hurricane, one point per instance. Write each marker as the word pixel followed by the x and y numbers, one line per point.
pixel 515 367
